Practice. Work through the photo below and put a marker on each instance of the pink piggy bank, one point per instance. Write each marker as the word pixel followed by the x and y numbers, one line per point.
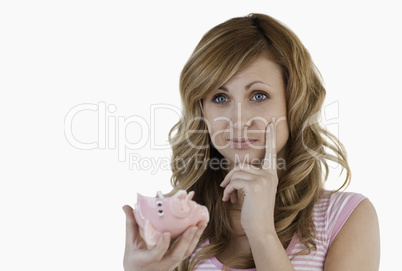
pixel 156 215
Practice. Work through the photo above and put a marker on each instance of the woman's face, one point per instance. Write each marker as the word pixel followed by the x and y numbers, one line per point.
pixel 237 114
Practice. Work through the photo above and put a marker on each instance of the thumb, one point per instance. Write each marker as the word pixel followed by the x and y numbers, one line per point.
pixel 132 230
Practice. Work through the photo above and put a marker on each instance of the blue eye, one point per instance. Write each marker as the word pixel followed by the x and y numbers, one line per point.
pixel 259 97
pixel 219 99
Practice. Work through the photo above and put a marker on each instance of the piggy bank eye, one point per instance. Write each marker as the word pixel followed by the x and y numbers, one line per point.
pixel 159 203
pixel 160 213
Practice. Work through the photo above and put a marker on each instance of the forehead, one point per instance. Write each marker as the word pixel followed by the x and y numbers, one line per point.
pixel 262 69
pixel 261 66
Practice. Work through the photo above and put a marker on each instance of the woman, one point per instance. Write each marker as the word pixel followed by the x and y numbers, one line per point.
pixel 250 145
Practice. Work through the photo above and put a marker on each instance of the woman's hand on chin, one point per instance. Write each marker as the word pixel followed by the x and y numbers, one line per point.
pixel 258 187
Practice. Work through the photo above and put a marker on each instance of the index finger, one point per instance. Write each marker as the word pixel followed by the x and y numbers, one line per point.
pixel 270 147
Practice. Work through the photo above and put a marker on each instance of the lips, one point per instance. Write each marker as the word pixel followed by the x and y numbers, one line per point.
pixel 241 143
pixel 242 139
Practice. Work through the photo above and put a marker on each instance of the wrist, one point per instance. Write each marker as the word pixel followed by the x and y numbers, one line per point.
pixel 254 235
pixel 260 228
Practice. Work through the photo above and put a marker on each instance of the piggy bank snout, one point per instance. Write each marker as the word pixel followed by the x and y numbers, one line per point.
pixel 204 213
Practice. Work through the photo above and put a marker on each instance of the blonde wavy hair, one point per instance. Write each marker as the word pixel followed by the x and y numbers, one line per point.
pixel 222 52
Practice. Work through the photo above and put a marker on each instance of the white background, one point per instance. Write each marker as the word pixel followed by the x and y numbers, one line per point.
pixel 60 206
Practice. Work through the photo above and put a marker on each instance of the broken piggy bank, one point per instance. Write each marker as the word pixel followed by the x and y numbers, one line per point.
pixel 156 215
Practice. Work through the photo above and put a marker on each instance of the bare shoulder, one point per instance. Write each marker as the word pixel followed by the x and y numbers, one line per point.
pixel 357 245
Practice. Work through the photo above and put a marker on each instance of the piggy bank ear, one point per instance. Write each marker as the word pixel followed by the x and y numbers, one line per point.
pixel 180 195
pixel 151 235
pixel 190 195
pixel 160 195
pixel 179 205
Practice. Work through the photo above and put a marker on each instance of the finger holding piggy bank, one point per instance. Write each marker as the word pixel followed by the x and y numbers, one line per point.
pixel 156 215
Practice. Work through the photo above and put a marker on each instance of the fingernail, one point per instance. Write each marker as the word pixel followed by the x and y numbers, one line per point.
pixel 193 230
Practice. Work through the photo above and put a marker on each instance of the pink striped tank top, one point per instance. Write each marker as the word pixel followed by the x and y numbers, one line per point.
pixel 329 215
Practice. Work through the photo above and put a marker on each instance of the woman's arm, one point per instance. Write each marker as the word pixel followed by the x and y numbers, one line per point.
pixel 357 245
pixel 258 188
pixel 268 253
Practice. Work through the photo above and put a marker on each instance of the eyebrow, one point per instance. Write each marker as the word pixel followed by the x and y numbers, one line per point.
pixel 248 86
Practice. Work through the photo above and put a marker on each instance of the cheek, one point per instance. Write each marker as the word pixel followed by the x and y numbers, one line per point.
pixel 282 134
pixel 216 130
pixel 216 123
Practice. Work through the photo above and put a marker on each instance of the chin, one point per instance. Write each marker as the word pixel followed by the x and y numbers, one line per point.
pixel 236 157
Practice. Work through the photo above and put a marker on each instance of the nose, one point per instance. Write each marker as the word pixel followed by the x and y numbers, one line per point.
pixel 240 117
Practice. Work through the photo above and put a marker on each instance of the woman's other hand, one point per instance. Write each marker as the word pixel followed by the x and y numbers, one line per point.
pixel 137 257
